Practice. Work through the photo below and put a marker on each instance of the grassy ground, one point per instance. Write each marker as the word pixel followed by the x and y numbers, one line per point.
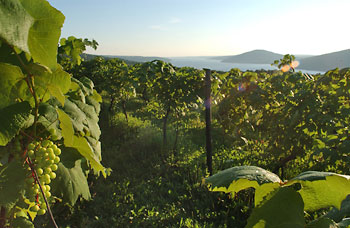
pixel 150 187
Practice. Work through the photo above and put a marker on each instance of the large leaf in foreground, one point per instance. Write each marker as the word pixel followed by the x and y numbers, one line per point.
pixel 12 177
pixel 25 24
pixel 345 223
pixel 13 118
pixel 56 82
pixel 322 223
pixel 238 178
pixel 322 189
pixel 73 179
pixel 225 180
pixel 283 208
pixel 78 143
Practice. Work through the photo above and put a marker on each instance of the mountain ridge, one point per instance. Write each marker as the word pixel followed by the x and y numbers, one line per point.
pixel 322 63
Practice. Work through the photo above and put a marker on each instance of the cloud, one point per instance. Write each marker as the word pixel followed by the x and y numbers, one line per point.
pixel 174 20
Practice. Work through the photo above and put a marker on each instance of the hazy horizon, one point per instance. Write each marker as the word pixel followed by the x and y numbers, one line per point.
pixel 182 28
pixel 209 56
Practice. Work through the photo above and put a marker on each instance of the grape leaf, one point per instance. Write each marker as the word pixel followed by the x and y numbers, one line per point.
pixel 262 190
pixel 282 209
pixel 12 180
pixel 15 23
pixel 84 116
pixel 10 76
pixel 25 24
pixel 79 143
pixel 56 82
pixel 322 189
pixel 240 177
pixel 73 179
pixel 48 117
pixel 21 222
pixel 322 223
pixel 84 149
pixel 66 127
pixel 338 215
pixel 223 180
pixel 345 223
pixel 13 118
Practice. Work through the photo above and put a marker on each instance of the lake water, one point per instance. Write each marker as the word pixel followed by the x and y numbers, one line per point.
pixel 214 64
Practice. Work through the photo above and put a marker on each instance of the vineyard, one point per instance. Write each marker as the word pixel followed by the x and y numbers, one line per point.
pixel 105 143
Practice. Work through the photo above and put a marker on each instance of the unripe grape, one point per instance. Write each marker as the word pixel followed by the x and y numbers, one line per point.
pixel 31 153
pixel 35 191
pixel 52 156
pixel 52 131
pixel 43 206
pixel 52 175
pixel 47 177
pixel 48 194
pixel 31 146
pixel 42 150
pixel 54 147
pixel 57 151
pixel 49 150
pixel 41 211
pixel 48 170
pixel 54 167
pixel 35 208
pixel 57 160
pixel 45 159
pixel 36 186
pixel 39 171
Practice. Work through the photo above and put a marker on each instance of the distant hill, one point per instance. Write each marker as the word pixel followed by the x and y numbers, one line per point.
pixel 127 59
pixel 340 59
pixel 139 59
pixel 253 57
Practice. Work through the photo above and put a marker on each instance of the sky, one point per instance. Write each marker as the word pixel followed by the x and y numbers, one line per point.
pixel 169 28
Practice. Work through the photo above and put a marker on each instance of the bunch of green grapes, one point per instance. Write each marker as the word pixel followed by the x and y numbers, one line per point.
pixel 44 158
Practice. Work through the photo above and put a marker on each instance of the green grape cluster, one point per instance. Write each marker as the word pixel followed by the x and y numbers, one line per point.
pixel 44 157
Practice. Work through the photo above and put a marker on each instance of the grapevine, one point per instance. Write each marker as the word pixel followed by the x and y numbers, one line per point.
pixel 37 105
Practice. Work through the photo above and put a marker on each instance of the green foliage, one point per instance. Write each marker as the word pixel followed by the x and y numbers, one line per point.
pixel 14 118
pixel 70 50
pixel 71 175
pixel 24 25
pixel 309 191
pixel 11 183
pixel 38 102
pixel 283 208
pixel 286 63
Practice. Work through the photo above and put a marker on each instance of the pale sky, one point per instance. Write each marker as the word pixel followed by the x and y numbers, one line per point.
pixel 169 28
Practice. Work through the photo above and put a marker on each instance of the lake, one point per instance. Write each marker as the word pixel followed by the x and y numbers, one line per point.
pixel 214 64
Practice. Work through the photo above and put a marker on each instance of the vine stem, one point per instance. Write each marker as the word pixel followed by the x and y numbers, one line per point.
pixel 30 82
pixel 29 161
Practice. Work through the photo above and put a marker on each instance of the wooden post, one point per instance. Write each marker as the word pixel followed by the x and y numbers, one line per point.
pixel 207 103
